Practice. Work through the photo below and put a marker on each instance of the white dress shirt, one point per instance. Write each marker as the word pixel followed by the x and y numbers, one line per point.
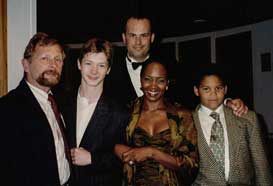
pixel 85 111
pixel 63 165
pixel 206 122
pixel 135 75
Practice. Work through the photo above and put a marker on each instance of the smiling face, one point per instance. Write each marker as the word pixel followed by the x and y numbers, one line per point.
pixel 138 38
pixel 43 69
pixel 94 67
pixel 211 91
pixel 154 81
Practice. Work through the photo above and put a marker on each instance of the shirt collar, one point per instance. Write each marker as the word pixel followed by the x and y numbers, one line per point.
pixel 131 60
pixel 82 100
pixel 38 93
pixel 206 110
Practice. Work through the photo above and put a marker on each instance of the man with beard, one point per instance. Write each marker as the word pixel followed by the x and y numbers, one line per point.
pixel 36 151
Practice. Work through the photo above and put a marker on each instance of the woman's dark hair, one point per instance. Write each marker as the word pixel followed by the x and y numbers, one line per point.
pixel 154 60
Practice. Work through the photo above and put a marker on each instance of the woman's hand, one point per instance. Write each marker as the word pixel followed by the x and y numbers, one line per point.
pixel 140 154
pixel 80 156
pixel 238 106
pixel 137 154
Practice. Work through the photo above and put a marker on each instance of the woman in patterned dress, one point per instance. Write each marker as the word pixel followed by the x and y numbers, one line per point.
pixel 161 138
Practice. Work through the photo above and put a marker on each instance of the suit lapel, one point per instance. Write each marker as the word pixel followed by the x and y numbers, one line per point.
pixel 98 121
pixel 69 111
pixel 73 120
pixel 205 148
pixel 202 141
pixel 34 112
pixel 37 116
pixel 234 133
pixel 34 106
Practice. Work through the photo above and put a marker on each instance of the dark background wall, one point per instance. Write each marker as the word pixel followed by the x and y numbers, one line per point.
pixel 76 21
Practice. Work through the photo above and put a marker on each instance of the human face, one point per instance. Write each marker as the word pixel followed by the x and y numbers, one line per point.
pixel 211 92
pixel 44 68
pixel 94 67
pixel 154 82
pixel 138 38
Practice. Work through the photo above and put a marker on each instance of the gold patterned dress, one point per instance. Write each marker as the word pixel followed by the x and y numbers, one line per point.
pixel 147 172
pixel 179 140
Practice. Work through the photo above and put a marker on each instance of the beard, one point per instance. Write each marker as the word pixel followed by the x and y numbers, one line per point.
pixel 52 80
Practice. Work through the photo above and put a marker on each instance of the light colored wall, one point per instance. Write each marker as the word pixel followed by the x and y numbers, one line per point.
pixel 262 41
pixel 21 27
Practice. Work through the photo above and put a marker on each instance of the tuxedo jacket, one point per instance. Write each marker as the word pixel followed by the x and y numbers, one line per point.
pixel 27 141
pixel 118 84
pixel 248 161
pixel 105 129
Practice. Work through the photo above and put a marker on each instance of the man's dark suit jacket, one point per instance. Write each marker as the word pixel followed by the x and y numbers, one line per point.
pixel 27 142
pixel 105 129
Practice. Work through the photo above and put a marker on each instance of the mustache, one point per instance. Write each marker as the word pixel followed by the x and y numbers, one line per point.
pixel 51 72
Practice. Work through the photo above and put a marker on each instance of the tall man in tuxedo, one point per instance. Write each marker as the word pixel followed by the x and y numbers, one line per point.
pixel 123 81
pixel 34 146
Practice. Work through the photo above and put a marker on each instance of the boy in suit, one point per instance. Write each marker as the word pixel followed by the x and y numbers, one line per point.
pixel 230 147
pixel 94 121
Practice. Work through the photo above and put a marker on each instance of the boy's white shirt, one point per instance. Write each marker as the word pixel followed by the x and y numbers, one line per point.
pixel 85 111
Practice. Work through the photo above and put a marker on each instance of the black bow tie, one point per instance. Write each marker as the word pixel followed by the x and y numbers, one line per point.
pixel 135 65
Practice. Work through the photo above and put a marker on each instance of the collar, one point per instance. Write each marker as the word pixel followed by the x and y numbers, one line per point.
pixel 40 94
pixel 135 64
pixel 219 110
pixel 132 60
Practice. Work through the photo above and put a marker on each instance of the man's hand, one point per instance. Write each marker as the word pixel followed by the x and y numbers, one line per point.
pixel 80 156
pixel 238 106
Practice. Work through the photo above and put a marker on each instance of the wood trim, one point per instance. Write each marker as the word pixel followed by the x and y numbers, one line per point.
pixel 3 47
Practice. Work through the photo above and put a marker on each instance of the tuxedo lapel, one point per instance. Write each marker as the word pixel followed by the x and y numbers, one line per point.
pixel 127 80
pixel 118 84
pixel 94 130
